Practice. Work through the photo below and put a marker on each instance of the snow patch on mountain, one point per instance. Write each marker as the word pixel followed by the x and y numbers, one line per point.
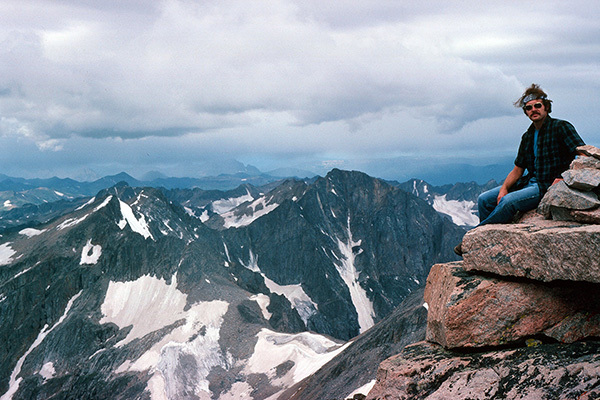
pixel 225 205
pixel 90 253
pixel 365 389
pixel 350 276
pixel 236 221
pixel 461 212
pixel 25 270
pixel 103 204
pixel 6 254
pixel 167 224
pixel 31 232
pixel 263 302
pixel 192 358
pixel 308 351
pixel 204 217
pixel 22 272
pixel 86 204
pixel 14 381
pixel 126 302
pixel 300 301
pixel 137 225
pixel 416 189
pixel 305 306
pixel 47 371
pixel 69 222
pixel 194 341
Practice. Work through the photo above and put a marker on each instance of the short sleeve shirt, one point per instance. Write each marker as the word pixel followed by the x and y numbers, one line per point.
pixel 556 147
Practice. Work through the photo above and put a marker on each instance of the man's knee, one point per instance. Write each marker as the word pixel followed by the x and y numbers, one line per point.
pixel 486 201
pixel 508 204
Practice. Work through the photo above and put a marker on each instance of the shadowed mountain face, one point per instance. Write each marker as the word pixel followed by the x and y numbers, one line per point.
pixel 147 293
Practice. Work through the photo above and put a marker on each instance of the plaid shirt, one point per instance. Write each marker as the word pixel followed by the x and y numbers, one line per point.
pixel 557 144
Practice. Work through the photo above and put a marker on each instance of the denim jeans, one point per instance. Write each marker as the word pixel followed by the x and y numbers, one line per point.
pixel 522 200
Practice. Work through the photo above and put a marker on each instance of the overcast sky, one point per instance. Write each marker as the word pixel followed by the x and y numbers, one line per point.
pixel 379 86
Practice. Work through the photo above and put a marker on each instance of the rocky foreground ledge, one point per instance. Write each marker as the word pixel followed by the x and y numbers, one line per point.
pixel 519 317
pixel 428 371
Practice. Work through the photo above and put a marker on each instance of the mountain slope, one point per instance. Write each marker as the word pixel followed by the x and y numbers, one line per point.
pixel 355 369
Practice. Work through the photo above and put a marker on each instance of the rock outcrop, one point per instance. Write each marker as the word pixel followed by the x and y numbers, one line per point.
pixel 519 317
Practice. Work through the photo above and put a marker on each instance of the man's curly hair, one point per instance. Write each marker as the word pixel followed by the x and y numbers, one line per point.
pixel 534 92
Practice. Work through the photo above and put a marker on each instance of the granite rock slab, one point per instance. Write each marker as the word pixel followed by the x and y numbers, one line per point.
pixel 537 249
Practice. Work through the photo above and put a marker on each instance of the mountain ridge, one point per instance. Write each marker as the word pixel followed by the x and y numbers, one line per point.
pixel 20 199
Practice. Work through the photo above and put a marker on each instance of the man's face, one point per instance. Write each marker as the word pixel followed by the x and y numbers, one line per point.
pixel 535 110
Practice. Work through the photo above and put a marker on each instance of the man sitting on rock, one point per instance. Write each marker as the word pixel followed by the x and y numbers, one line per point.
pixel 546 151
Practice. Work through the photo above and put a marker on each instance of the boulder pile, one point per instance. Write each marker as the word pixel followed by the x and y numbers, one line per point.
pixel 519 317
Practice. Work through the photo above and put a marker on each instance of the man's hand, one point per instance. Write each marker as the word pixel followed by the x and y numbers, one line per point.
pixel 512 178
pixel 503 192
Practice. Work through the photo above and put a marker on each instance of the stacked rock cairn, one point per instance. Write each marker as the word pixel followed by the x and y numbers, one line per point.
pixel 576 197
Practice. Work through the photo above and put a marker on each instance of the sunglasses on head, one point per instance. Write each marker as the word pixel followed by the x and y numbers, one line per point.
pixel 530 107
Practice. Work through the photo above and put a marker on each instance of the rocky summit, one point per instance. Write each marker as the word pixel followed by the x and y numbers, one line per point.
pixel 519 317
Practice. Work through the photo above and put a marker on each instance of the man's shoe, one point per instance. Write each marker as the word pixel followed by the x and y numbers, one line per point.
pixel 458 249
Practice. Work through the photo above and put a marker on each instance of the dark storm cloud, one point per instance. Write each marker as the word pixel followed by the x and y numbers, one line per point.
pixel 269 78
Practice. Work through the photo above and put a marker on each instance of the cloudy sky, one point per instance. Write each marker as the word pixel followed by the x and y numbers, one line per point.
pixel 382 86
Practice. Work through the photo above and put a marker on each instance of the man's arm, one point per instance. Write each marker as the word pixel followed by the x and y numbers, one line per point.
pixel 510 180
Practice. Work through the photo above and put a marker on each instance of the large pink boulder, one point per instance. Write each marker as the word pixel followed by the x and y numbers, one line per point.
pixel 471 310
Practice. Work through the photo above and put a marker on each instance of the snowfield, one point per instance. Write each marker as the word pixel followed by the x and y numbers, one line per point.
pixel 225 205
pixel 308 351
pixel 130 304
pixel 461 212
pixel 234 221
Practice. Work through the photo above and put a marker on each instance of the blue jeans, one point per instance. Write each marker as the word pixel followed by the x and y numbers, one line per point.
pixel 522 200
